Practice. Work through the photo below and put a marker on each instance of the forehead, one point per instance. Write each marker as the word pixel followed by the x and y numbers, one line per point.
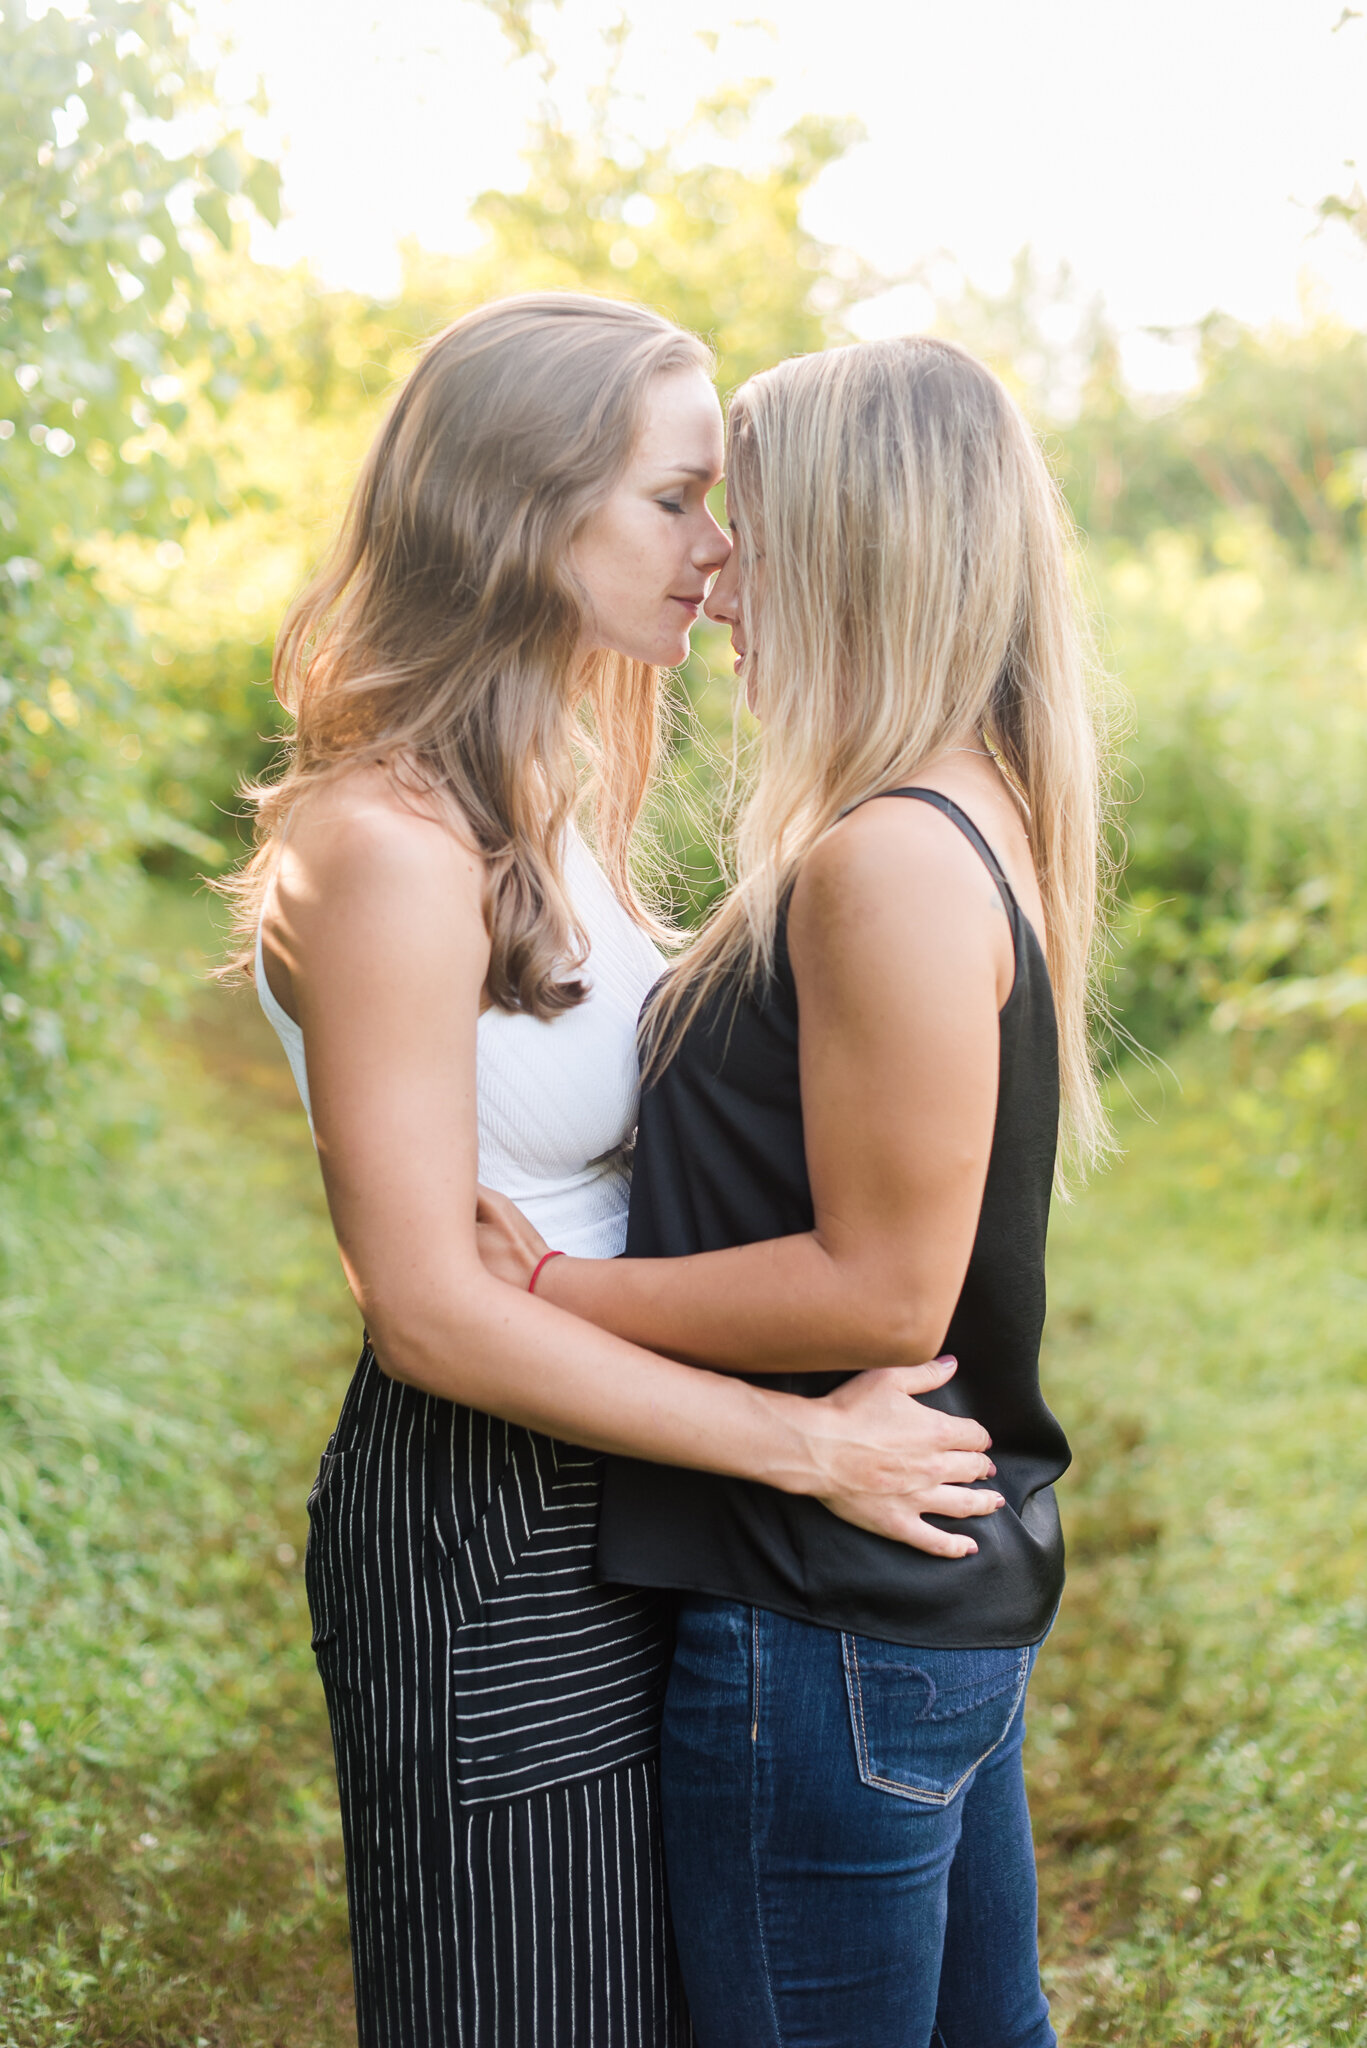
pixel 681 425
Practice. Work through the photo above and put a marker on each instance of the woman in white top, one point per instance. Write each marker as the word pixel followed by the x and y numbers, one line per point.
pixel 456 981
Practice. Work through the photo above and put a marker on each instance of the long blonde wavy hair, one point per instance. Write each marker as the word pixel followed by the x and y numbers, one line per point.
pixel 440 637
pixel 913 592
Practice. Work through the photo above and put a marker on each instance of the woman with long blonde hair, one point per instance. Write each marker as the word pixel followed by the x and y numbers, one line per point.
pixel 848 1136
pixel 456 980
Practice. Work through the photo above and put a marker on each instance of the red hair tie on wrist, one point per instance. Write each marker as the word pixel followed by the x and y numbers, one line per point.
pixel 544 1260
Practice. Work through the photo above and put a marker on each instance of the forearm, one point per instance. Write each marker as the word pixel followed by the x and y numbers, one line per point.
pixel 788 1304
pixel 526 1361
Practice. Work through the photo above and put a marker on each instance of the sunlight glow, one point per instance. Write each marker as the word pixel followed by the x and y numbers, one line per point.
pixel 1173 155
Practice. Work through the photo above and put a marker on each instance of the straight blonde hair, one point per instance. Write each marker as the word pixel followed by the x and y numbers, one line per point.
pixel 440 637
pixel 914 592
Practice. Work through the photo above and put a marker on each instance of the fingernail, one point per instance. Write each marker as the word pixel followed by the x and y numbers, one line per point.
pixel 972 1550
pixel 998 1498
pixel 946 1359
pixel 991 1469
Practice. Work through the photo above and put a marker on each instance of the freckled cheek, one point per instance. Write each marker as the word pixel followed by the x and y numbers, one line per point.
pixel 638 567
pixel 653 579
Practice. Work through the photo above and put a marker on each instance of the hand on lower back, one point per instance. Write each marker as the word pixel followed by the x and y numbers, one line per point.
pixel 893 1460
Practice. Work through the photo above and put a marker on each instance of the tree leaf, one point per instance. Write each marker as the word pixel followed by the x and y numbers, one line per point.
pixel 262 187
pixel 224 166
pixel 212 209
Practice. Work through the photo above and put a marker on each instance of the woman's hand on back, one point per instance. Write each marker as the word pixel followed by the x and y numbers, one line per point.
pixel 893 1460
pixel 885 1460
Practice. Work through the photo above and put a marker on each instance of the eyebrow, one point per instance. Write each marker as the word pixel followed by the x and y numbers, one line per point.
pixel 687 469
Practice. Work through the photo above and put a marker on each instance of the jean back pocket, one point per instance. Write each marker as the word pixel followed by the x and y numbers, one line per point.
pixel 923 1719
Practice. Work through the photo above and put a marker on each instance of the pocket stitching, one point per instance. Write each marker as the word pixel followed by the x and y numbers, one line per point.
pixel 947 1698
pixel 508 1530
pixel 861 1740
pixel 900 1791
pixel 754 1683
pixel 328 1465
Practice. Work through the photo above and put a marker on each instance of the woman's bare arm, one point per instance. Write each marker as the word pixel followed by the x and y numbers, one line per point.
pixel 377 937
pixel 902 957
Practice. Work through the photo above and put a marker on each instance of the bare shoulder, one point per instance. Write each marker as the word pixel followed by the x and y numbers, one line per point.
pixel 890 858
pixel 360 836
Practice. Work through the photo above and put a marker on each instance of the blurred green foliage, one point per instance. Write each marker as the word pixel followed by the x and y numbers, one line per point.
pixel 1244 905
pixel 1276 425
pixel 105 341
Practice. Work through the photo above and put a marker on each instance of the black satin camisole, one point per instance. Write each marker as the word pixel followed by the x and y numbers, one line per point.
pixel 720 1161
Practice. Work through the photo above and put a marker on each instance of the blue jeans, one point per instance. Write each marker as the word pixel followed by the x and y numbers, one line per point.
pixel 847 1838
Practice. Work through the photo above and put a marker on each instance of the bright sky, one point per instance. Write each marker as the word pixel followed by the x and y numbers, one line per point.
pixel 1172 151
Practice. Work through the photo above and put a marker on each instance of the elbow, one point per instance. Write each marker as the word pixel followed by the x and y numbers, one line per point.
pixel 393 1344
pixel 392 1362
pixel 895 1330
pixel 882 1317
pixel 421 1345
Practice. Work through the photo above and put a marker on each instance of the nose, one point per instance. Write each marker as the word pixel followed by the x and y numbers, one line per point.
pixel 721 603
pixel 713 549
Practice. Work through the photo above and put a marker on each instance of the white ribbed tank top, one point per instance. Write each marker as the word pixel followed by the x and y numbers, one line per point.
pixel 555 1101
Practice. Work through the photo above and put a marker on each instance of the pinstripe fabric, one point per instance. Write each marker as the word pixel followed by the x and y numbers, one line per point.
pixel 495 1717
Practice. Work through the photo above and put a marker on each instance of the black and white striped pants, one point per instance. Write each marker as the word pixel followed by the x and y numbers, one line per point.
pixel 495 1717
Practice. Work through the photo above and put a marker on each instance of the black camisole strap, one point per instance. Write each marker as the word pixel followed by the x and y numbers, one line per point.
pixel 949 809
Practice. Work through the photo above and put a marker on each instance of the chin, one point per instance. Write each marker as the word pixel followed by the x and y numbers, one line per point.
pixel 661 653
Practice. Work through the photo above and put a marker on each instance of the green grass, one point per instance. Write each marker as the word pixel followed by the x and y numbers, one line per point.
pixel 174 1340
pixel 1197 1763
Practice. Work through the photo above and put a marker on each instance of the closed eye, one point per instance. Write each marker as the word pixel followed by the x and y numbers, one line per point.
pixel 670 505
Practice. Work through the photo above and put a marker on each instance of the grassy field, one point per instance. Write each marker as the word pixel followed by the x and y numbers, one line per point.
pixel 175 1340
pixel 1198 1762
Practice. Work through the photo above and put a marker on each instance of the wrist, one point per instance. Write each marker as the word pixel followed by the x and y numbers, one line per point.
pixel 542 1267
pixel 550 1280
pixel 792 1435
